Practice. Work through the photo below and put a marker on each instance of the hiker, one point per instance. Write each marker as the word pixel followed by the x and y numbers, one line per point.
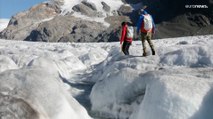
pixel 146 26
pixel 126 37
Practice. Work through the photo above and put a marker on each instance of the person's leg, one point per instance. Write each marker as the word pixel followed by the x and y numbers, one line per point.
pixel 143 39
pixel 127 47
pixel 149 37
pixel 124 48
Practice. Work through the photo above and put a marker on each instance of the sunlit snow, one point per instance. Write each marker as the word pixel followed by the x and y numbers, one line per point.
pixel 114 5
pixel 3 24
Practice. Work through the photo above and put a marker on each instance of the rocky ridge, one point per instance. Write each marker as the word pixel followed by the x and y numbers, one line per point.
pixel 47 22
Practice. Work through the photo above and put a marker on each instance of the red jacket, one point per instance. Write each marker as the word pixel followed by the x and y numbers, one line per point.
pixel 124 35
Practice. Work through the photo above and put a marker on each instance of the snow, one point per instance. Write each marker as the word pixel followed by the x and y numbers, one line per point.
pixel 68 5
pixel 34 75
pixel 73 80
pixel 114 5
pixel 41 91
pixel 3 24
pixel 96 19
pixel 173 84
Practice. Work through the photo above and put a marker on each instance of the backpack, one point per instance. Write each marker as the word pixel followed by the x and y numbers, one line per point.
pixel 130 32
pixel 147 22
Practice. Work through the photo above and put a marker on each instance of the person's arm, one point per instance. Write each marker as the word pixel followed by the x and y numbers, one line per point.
pixel 140 20
pixel 123 34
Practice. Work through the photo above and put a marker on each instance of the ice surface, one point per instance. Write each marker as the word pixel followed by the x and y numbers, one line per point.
pixel 176 83
pixel 55 80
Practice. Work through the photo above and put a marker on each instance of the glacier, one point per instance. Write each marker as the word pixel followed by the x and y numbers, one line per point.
pixel 96 80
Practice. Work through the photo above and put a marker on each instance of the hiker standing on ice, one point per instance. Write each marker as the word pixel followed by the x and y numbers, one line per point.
pixel 126 37
pixel 146 26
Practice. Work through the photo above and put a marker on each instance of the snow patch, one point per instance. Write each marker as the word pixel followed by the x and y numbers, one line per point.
pixel 3 24
pixel 114 5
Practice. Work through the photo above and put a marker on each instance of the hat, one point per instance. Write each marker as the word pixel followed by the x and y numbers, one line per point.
pixel 123 23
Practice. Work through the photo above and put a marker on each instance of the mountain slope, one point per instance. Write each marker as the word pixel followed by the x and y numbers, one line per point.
pixel 172 17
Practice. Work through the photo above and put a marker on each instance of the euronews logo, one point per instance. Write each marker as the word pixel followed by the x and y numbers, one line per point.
pixel 196 6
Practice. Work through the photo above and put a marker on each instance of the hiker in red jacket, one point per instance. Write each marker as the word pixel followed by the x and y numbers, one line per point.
pixel 126 37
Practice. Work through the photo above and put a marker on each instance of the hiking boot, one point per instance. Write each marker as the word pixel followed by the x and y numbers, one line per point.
pixel 153 52
pixel 144 54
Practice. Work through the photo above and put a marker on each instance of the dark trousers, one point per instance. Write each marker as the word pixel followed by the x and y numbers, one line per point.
pixel 125 47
